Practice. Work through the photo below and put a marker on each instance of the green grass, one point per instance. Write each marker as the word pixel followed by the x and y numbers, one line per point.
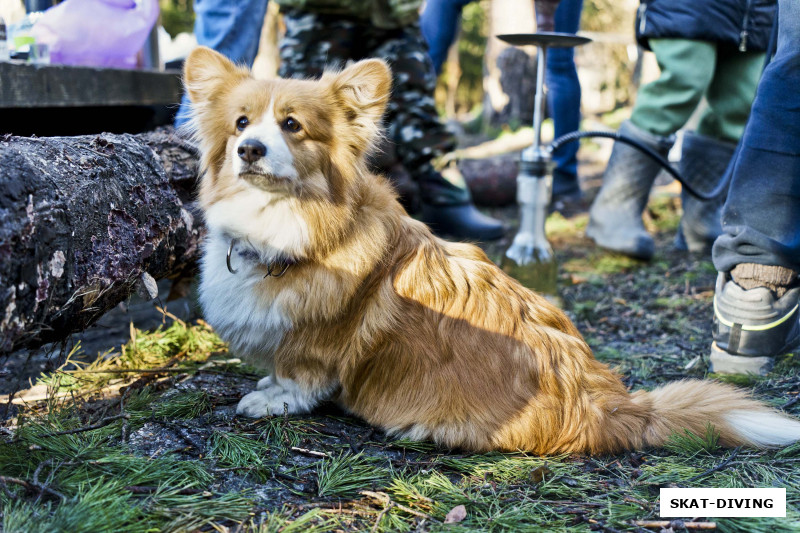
pixel 389 486
pixel 327 472
pixel 346 475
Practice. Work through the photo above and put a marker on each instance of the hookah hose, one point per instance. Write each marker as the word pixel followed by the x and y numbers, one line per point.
pixel 575 135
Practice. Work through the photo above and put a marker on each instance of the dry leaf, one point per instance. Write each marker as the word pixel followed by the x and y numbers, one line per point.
pixel 456 514
pixel 539 473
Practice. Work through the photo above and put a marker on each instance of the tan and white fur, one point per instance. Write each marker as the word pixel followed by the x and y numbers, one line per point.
pixel 424 338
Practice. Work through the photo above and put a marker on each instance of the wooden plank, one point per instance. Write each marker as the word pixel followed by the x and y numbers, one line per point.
pixel 29 86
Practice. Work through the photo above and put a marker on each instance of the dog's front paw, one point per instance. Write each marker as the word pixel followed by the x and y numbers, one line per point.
pixel 270 399
pixel 259 404
pixel 264 383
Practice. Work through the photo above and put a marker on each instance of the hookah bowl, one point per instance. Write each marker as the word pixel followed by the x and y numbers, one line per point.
pixel 530 258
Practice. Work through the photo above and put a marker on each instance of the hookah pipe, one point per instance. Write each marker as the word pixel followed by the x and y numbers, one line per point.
pixel 530 256
pixel 530 259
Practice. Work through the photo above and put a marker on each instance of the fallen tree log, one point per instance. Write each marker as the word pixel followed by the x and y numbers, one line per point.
pixel 84 221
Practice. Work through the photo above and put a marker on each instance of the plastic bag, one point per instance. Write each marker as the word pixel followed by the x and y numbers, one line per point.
pixel 103 33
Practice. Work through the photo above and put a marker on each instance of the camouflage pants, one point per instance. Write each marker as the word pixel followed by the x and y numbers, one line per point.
pixel 314 42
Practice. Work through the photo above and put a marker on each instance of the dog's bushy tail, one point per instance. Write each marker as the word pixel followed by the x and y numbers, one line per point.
pixel 694 404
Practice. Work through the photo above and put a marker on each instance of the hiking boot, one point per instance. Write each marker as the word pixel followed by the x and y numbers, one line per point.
pixel 462 221
pixel 751 327
pixel 615 218
pixel 703 164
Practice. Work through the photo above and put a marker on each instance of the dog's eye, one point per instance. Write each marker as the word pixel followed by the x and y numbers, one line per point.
pixel 242 123
pixel 290 124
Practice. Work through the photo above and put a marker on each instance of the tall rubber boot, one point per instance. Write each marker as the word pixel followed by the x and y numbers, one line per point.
pixel 615 218
pixel 703 164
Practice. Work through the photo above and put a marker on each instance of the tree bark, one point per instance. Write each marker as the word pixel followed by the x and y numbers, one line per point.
pixel 84 221
pixel 509 73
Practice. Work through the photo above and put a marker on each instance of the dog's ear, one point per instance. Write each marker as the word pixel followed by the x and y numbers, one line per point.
pixel 363 88
pixel 205 71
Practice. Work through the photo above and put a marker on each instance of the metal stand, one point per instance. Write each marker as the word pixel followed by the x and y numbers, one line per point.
pixel 529 259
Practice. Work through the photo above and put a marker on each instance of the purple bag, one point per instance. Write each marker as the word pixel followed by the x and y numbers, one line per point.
pixel 102 33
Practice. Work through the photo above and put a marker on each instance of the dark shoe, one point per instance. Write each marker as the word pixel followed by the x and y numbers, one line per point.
pixel 751 327
pixel 615 218
pixel 565 187
pixel 567 197
pixel 462 221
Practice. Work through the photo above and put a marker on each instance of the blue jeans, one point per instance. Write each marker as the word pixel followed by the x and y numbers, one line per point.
pixel 761 217
pixel 232 28
pixel 564 98
pixel 439 22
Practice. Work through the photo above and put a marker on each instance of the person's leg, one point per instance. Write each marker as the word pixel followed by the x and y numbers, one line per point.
pixel 758 254
pixel 439 23
pixel 706 153
pixel 420 137
pixel 564 101
pixel 232 29
pixel 662 108
pixel 314 42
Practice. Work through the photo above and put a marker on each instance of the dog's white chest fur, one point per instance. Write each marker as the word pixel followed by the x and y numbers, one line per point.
pixel 243 313
pixel 247 310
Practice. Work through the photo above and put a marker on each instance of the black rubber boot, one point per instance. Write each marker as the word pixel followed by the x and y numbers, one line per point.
pixel 461 222
pixel 615 218
pixel 703 164
pixel 448 209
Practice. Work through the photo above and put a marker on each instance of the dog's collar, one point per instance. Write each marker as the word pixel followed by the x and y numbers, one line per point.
pixel 275 268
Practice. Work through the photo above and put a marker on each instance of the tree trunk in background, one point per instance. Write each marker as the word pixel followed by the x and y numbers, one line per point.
pixel 84 221
pixel 453 76
pixel 509 73
pixel 268 59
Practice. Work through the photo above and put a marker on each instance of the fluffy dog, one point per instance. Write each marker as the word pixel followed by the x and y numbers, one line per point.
pixel 314 271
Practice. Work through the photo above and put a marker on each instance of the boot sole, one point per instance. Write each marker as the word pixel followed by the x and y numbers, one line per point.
pixel 724 363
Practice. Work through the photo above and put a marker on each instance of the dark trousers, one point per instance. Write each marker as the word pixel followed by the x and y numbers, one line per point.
pixel 761 218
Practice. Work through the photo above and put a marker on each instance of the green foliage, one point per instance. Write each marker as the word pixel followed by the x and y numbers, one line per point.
pixel 180 344
pixel 183 404
pixel 95 478
pixel 471 43
pixel 691 444
pixel 348 474
pixel 284 432
pixel 177 16
pixel 313 521
pixel 758 525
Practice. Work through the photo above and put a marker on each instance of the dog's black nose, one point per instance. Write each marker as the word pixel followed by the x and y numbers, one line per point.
pixel 251 150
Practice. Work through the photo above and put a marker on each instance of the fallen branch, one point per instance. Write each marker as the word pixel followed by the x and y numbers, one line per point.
pixel 386 500
pixel 719 467
pixel 790 403
pixel 506 144
pixel 385 510
pixel 102 423
pixel 33 487
pixel 145 489
pixel 675 524
pixel 310 453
